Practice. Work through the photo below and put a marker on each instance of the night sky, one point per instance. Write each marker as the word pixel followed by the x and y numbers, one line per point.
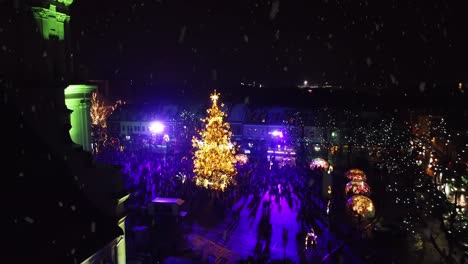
pixel 200 45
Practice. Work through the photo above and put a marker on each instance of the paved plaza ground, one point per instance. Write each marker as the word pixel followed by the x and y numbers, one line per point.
pixel 239 238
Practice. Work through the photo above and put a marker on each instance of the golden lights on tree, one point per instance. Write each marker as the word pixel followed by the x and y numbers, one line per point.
pixel 214 156
pixel 100 111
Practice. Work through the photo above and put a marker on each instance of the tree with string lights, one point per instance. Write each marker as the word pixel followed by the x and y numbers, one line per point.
pixel 294 125
pixel 100 110
pixel 214 160
pixel 411 190
pixel 328 123
pixel 186 127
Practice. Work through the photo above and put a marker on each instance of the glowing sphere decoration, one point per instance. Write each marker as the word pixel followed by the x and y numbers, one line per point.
pixel 241 158
pixel 357 188
pixel 355 175
pixel 319 163
pixel 360 206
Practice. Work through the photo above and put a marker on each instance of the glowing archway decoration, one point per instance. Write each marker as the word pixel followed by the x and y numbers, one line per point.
pixel 310 239
pixel 319 163
pixel 355 175
pixel 360 206
pixel 357 188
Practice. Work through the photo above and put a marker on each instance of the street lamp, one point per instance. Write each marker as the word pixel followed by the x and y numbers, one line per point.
pixel 156 127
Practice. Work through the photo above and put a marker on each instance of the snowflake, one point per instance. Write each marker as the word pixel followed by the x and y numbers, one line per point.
pixel 274 9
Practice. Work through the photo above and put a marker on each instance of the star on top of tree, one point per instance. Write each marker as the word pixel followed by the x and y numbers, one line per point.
pixel 214 97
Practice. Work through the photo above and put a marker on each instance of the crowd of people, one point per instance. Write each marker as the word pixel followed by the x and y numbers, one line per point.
pixel 149 174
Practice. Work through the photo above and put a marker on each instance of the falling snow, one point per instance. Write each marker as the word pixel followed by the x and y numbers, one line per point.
pixel 422 86
pixel 359 43
pixel 274 9
pixel 182 34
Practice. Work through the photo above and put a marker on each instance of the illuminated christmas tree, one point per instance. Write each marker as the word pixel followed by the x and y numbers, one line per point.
pixel 214 156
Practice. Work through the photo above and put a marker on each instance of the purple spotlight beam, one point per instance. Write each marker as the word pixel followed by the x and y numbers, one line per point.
pixel 156 127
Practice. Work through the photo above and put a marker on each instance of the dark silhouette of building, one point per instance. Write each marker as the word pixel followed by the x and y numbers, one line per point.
pixel 61 207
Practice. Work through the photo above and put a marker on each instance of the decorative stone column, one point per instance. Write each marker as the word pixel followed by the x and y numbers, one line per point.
pixel 78 99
